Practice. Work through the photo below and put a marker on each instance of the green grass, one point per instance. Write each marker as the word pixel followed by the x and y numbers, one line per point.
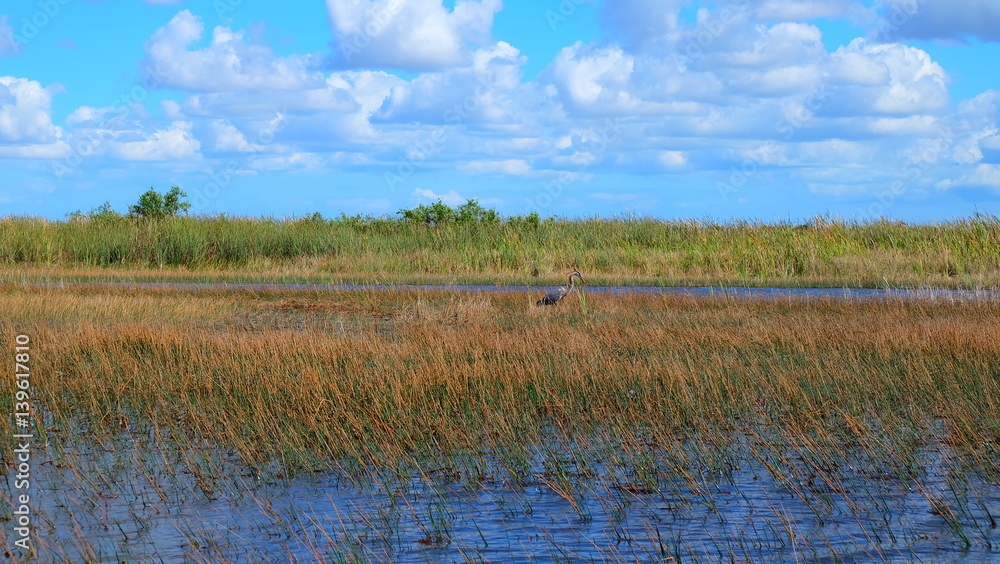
pixel 963 253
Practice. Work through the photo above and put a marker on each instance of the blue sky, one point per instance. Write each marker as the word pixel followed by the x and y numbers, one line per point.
pixel 771 109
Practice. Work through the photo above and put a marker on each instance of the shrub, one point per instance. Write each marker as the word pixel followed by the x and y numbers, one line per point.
pixel 154 205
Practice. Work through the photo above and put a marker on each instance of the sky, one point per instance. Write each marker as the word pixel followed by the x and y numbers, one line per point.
pixel 771 110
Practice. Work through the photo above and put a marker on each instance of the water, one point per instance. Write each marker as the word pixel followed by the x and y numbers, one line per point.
pixel 739 291
pixel 135 504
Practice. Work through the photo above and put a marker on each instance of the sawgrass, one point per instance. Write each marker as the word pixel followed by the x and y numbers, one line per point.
pixel 344 373
pixel 961 253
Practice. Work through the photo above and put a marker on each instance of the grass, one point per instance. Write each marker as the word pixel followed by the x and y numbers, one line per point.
pixel 659 395
pixel 958 254
pixel 401 370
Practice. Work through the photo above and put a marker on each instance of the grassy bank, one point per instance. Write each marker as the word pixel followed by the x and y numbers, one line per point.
pixel 957 254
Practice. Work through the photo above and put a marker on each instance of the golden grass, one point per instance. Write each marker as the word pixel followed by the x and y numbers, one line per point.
pixel 312 377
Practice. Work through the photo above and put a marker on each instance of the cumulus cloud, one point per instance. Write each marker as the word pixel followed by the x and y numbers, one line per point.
pixel 983 175
pixel 173 143
pixel 673 160
pixel 407 34
pixel 479 92
pixel 760 88
pixel 940 19
pixel 26 112
pixel 229 139
pixel 887 79
pixel 593 79
pixel 229 63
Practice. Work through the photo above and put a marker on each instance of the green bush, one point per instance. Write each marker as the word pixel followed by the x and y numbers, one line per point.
pixel 154 205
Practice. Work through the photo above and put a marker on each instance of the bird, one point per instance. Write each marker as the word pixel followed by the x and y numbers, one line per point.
pixel 553 297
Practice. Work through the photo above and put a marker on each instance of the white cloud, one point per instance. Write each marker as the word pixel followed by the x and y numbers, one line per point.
pixel 451 198
pixel 987 175
pixel 229 63
pixel 910 125
pixel 989 147
pixel 173 143
pixel 673 160
pixel 479 92
pixel 780 45
pixel 25 112
pixel 593 78
pixel 57 150
pixel 172 110
pixel 577 159
pixel 407 34
pixel 867 78
pixel 228 139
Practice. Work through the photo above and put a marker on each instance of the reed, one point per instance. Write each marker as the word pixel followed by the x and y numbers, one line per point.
pixel 960 253
pixel 397 371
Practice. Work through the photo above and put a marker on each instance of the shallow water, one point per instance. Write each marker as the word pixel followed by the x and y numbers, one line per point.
pixel 134 504
pixel 841 293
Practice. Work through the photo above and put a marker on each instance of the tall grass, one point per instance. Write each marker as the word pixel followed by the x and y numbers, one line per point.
pixel 360 374
pixel 960 253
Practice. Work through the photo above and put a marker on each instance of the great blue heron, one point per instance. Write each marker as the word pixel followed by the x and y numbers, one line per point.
pixel 553 297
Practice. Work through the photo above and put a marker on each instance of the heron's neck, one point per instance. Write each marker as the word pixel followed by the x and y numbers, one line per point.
pixel 572 283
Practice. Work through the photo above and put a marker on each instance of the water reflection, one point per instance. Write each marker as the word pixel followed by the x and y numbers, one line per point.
pixel 134 503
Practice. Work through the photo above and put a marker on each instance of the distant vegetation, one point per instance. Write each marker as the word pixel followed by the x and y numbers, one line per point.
pixel 471 243
pixel 151 205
